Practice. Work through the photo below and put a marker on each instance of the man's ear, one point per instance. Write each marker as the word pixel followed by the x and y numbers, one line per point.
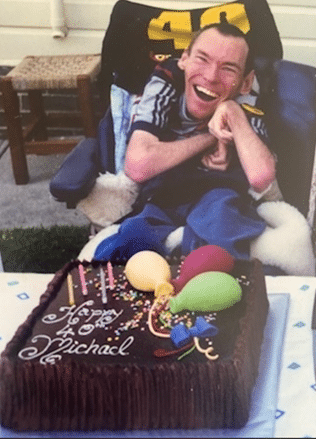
pixel 182 61
pixel 247 83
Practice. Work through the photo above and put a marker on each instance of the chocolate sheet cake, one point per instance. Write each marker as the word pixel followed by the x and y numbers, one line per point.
pixel 85 358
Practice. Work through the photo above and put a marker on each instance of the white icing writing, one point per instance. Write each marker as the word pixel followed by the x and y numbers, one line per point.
pixel 73 314
pixel 86 320
pixel 58 346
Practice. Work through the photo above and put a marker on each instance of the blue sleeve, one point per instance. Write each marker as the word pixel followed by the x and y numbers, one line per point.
pixel 259 127
pixel 153 111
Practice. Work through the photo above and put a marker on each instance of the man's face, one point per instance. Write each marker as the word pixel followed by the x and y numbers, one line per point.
pixel 214 72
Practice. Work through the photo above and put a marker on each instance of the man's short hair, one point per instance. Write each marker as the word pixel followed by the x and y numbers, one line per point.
pixel 228 29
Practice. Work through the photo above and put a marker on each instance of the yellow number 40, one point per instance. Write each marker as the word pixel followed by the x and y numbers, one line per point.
pixel 176 25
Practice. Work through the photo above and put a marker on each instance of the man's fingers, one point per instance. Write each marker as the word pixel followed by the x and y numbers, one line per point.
pixel 223 135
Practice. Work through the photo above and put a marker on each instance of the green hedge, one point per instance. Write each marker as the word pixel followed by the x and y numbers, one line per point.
pixel 40 250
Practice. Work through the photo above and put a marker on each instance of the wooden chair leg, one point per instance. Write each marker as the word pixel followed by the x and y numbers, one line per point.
pixel 86 105
pixel 14 129
pixel 38 113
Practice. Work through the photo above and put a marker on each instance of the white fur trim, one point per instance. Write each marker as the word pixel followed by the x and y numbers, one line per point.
pixel 272 193
pixel 111 198
pixel 88 251
pixel 174 239
pixel 286 242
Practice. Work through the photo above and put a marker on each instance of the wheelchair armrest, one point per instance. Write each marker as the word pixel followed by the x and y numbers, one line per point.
pixel 79 171
pixel 76 177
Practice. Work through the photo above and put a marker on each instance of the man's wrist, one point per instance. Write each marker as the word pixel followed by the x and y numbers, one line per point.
pixel 235 113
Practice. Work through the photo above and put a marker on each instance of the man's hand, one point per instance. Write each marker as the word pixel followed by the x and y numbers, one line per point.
pixel 217 158
pixel 230 124
pixel 219 125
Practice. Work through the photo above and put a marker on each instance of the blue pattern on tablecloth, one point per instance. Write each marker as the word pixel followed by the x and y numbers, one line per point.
pixel 294 366
pixel 279 413
pixel 299 325
pixel 23 296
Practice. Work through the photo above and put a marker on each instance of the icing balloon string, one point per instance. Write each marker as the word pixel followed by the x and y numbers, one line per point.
pixel 160 353
pixel 207 352
pixel 153 330
pixel 188 352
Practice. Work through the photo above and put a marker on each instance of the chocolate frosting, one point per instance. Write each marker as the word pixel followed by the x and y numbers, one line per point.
pixel 91 366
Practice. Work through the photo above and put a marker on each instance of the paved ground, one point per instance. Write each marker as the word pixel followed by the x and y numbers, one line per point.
pixel 32 205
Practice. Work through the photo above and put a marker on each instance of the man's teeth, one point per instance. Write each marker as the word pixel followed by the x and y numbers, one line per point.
pixel 206 91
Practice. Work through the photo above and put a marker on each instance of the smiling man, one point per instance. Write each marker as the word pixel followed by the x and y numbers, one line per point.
pixel 217 67
pixel 196 152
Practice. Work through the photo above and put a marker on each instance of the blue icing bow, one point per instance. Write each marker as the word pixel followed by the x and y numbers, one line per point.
pixel 181 334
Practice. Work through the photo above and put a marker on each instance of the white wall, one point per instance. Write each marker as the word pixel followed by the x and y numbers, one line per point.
pixel 25 27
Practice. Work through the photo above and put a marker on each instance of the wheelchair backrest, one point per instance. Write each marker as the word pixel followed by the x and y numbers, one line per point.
pixel 141 36
pixel 291 120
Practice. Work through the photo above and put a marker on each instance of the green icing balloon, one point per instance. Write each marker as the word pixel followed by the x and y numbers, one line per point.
pixel 209 291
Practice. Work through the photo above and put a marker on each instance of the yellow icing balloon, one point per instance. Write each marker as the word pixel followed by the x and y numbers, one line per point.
pixel 150 272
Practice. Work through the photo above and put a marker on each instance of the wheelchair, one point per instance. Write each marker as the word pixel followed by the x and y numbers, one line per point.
pixel 141 36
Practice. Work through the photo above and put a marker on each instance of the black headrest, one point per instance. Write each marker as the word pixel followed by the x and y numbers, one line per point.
pixel 139 36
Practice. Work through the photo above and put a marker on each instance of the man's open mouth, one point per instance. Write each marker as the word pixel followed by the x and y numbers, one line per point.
pixel 204 94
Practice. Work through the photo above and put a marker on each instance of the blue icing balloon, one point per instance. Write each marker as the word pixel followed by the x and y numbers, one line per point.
pixel 210 291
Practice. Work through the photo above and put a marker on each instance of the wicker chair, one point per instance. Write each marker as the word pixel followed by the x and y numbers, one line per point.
pixel 37 73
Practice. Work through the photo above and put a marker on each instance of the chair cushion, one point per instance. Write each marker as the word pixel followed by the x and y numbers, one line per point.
pixel 123 108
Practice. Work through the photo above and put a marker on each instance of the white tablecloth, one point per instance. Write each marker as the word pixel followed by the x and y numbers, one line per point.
pixel 296 408
pixel 293 393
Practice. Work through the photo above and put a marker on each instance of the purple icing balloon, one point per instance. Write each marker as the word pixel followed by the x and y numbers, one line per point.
pixel 206 258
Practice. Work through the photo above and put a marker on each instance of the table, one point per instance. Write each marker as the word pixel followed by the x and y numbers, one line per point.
pixel 291 380
pixel 296 408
